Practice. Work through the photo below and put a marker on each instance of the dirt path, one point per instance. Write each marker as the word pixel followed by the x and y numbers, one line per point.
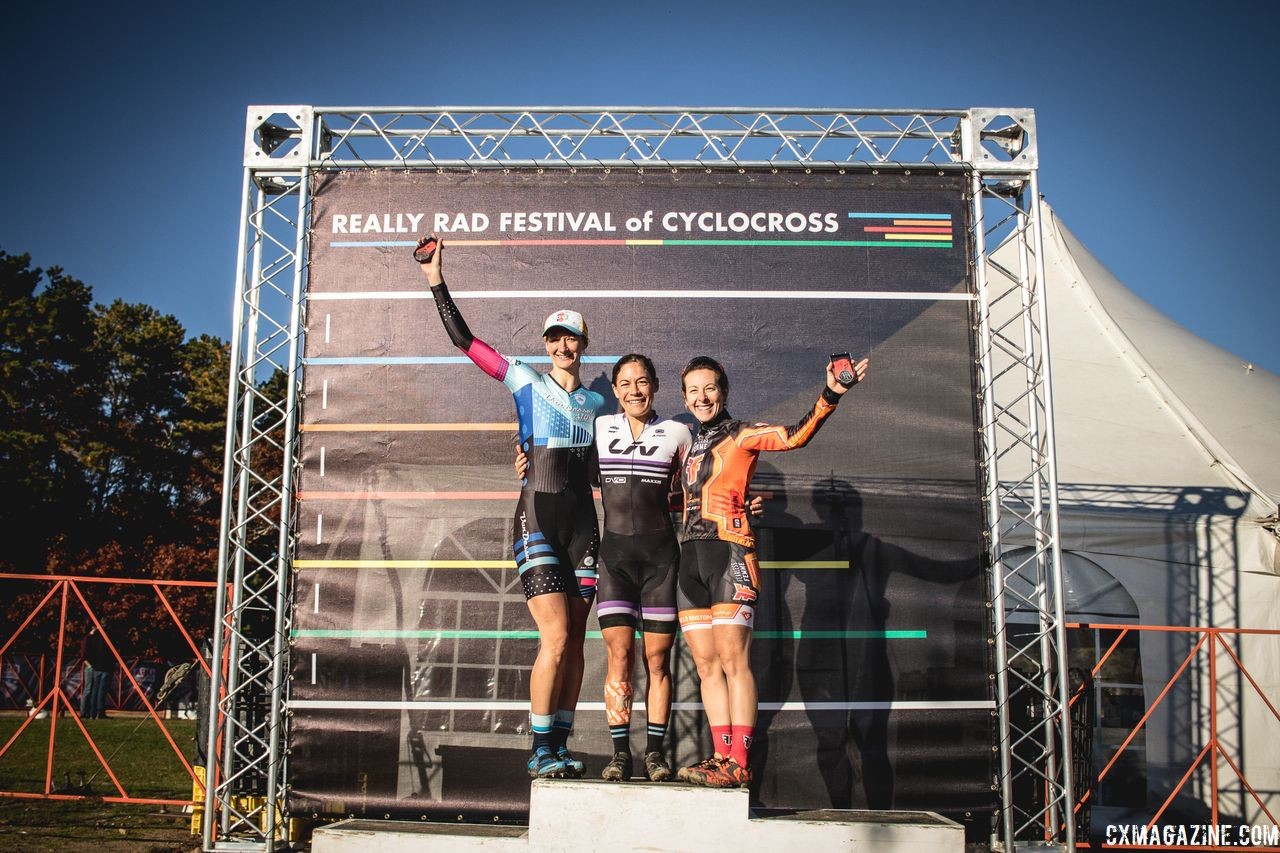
pixel 28 826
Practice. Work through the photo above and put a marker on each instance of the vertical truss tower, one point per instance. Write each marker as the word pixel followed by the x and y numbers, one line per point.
pixel 248 762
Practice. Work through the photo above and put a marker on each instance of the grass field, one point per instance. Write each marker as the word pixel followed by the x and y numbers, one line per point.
pixel 143 762
pixel 137 752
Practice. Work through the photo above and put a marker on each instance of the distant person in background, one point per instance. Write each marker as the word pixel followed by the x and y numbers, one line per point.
pixel 98 663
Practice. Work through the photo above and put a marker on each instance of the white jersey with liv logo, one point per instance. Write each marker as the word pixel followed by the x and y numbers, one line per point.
pixel 637 473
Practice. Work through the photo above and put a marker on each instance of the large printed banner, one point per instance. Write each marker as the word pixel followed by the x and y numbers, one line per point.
pixel 412 644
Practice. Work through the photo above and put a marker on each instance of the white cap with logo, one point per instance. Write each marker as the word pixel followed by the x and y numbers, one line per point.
pixel 570 321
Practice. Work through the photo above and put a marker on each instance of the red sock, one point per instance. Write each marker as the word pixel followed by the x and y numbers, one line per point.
pixel 741 744
pixel 722 739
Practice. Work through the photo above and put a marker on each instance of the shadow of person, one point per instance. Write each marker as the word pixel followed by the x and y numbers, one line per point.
pixel 827 616
pixel 828 630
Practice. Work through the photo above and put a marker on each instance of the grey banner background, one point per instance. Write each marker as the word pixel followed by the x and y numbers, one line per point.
pixel 890 485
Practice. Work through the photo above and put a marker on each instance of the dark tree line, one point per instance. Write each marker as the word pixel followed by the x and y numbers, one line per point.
pixel 112 423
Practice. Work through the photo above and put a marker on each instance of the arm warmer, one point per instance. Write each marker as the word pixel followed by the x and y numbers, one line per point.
pixel 485 357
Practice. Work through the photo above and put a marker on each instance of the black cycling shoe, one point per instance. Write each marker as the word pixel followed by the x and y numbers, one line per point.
pixel 656 767
pixel 618 769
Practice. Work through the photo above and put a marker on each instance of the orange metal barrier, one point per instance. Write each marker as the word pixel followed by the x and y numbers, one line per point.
pixel 1211 641
pixel 63 591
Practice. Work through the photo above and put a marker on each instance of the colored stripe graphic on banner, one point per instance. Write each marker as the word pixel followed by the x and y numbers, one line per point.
pixel 872 215
pixel 440 634
pixel 906 228
pixel 540 244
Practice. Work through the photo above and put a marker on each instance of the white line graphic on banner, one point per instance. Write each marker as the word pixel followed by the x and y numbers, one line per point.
pixel 915 296
pixel 488 705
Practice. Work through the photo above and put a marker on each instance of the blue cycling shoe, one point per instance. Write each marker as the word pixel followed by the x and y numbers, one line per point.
pixel 572 767
pixel 543 764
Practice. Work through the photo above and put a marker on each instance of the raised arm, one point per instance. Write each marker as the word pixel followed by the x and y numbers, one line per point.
pixel 771 437
pixel 484 356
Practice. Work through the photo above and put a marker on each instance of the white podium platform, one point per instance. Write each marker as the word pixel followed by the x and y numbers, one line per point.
pixel 588 815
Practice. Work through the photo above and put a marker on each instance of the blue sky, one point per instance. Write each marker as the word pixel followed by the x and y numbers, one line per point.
pixel 126 121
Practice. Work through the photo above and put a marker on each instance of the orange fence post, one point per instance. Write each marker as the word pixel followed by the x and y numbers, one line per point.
pixel 51 693
pixel 56 689
pixel 1210 639
pixel 1213 723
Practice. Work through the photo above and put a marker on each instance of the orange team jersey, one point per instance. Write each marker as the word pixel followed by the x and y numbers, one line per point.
pixel 720 463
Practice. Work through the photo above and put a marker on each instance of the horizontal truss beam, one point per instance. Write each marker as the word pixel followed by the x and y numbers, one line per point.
pixel 993 140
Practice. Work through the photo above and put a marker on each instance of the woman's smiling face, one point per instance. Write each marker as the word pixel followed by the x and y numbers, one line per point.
pixel 564 348
pixel 634 388
pixel 703 396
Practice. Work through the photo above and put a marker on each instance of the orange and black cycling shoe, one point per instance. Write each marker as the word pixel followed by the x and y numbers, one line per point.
pixel 728 774
pixel 697 774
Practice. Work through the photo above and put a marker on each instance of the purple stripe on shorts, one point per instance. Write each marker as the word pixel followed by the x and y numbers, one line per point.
pixel 604 608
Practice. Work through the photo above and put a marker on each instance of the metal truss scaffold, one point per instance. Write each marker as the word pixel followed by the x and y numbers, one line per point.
pixel 284 144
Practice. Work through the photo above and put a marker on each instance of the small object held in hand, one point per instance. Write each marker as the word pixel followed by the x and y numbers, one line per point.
pixel 842 367
pixel 426 249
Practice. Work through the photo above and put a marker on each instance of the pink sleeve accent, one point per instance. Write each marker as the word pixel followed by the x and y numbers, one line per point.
pixel 487 359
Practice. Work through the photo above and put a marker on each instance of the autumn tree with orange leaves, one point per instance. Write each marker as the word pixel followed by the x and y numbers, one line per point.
pixel 112 424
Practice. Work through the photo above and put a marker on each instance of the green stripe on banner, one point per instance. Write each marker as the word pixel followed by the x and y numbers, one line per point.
pixel 387 634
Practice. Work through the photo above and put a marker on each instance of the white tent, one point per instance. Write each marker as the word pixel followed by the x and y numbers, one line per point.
pixel 1168 452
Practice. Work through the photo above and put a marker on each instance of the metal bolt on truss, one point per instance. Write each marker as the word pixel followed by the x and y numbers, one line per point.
pixel 285 143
